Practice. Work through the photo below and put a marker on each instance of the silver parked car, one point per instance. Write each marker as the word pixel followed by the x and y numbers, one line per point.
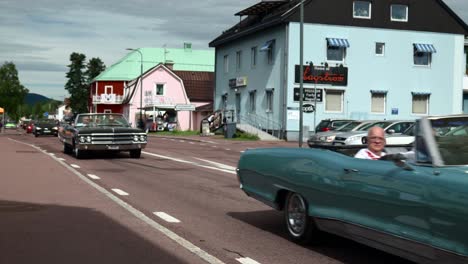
pixel 326 138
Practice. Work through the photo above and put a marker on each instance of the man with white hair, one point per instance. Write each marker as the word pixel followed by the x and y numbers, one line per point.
pixel 375 145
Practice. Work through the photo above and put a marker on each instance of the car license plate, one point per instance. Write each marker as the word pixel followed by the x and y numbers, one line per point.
pixel 113 147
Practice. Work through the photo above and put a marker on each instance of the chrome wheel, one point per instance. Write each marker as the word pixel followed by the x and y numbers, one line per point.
pixel 296 215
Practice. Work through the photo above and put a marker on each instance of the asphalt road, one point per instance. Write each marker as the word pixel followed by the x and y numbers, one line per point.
pixel 179 203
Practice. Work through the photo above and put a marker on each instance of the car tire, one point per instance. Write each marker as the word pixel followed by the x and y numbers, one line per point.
pixel 36 135
pixel 77 152
pixel 300 226
pixel 135 154
pixel 67 149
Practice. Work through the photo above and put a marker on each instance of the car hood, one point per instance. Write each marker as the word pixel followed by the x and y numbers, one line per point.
pixel 108 130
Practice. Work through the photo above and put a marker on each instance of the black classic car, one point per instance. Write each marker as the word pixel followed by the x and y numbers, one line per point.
pixel 45 127
pixel 101 132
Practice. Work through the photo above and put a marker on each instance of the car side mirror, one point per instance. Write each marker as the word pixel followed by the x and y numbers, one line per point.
pixel 391 131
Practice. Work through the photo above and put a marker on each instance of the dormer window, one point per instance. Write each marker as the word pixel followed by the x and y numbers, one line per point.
pixel 362 9
pixel 399 13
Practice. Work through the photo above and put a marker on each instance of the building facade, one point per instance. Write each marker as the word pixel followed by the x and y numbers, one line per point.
pixel 362 60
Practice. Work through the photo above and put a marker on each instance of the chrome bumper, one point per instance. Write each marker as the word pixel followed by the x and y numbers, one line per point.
pixel 111 147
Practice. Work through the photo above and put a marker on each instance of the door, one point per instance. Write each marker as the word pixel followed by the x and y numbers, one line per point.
pixel 238 107
pixel 465 103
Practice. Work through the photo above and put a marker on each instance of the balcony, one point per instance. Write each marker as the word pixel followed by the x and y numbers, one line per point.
pixel 107 99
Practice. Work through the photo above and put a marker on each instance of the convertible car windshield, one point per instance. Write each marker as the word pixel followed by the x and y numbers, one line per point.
pixel 97 120
pixel 451 136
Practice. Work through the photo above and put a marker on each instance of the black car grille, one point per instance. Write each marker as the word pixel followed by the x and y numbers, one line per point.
pixel 112 139
pixel 340 138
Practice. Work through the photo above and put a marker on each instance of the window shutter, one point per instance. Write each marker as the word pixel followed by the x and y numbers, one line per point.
pixel 378 103
pixel 333 101
pixel 420 104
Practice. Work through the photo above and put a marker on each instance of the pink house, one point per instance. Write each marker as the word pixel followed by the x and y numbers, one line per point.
pixel 177 99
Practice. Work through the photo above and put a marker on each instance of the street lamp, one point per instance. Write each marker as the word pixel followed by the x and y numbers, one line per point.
pixel 301 70
pixel 140 121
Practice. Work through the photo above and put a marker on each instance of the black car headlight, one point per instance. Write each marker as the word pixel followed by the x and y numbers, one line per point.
pixel 142 138
pixel 38 128
pixel 82 139
pixel 88 139
pixel 55 128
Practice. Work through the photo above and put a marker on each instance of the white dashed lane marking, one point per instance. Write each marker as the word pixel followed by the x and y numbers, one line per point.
pixel 94 177
pixel 191 143
pixel 166 217
pixel 182 141
pixel 120 192
pixel 227 149
pixel 247 261
pixel 75 166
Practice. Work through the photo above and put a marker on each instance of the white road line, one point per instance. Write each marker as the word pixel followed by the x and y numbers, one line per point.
pixel 62 159
pixel 75 166
pixel 94 177
pixel 214 146
pixel 191 143
pixel 166 217
pixel 242 151
pixel 182 141
pixel 52 154
pixel 247 261
pixel 227 149
pixel 219 165
pixel 188 162
pixel 120 192
pixel 138 214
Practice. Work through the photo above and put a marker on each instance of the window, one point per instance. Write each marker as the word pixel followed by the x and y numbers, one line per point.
pixel 336 49
pixel 238 60
pixel 362 9
pixel 270 53
pixel 422 54
pixel 269 100
pixel 420 104
pixel 159 89
pixel 226 63
pixel 253 57
pixel 379 49
pixel 399 13
pixel 108 89
pixel 224 99
pixel 107 111
pixel 333 101
pixel 252 101
pixel 378 100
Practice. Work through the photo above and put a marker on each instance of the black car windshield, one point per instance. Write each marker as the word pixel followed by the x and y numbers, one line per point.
pixel 451 135
pixel 46 123
pixel 97 120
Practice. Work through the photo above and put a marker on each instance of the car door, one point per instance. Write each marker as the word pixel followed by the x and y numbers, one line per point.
pixel 387 198
pixel 399 127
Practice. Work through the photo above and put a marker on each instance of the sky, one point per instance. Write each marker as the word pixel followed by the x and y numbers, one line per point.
pixel 38 36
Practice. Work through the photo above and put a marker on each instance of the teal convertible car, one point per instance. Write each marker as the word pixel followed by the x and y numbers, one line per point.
pixel 412 204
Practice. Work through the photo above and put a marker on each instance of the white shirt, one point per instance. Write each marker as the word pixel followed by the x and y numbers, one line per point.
pixel 367 154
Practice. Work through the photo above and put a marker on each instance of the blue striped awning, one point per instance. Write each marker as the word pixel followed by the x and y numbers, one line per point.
pixel 428 48
pixel 267 45
pixel 336 42
pixel 421 93
pixel 378 91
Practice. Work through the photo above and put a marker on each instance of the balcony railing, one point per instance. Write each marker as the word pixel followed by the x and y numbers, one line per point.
pixel 107 99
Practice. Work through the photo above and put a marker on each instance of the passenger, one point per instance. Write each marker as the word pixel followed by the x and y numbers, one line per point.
pixel 375 145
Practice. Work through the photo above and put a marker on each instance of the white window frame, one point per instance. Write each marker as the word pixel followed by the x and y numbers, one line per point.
pixel 429 60
pixel 362 17
pixel 383 49
pixel 107 87
pixel 156 89
pixel 341 100
pixel 252 101
pixel 427 104
pixel 107 111
pixel 226 63
pixel 253 57
pixel 238 60
pixel 384 102
pixel 396 19
pixel 269 101
pixel 270 53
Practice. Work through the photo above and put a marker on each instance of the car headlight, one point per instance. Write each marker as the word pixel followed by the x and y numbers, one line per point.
pixel 55 128
pixel 88 139
pixel 38 128
pixel 322 138
pixel 82 139
pixel 142 138
pixel 329 138
pixel 135 138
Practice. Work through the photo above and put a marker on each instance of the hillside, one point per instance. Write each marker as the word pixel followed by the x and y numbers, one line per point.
pixel 32 99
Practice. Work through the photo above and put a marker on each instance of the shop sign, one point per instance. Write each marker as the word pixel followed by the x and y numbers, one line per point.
pixel 308 108
pixel 320 75
pixel 238 82
pixel 185 107
pixel 308 94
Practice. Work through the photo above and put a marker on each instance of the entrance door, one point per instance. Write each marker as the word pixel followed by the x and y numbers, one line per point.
pixel 238 107
pixel 465 103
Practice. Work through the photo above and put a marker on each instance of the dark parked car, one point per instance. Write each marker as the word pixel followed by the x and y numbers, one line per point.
pixel 102 132
pixel 410 203
pixel 45 127
pixel 331 124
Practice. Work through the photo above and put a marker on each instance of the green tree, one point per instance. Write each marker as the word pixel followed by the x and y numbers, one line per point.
pixel 12 93
pixel 37 111
pixel 94 67
pixel 76 84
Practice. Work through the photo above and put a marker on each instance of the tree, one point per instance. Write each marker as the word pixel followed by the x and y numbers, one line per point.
pixel 94 67
pixel 12 93
pixel 76 84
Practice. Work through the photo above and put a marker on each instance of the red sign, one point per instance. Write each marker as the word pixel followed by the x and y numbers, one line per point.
pixel 320 75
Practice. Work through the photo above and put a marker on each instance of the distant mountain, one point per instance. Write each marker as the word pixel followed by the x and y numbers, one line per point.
pixel 32 99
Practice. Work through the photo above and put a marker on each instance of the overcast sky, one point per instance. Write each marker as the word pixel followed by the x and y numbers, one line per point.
pixel 39 35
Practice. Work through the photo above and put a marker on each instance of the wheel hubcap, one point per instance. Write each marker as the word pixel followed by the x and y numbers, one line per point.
pixel 296 215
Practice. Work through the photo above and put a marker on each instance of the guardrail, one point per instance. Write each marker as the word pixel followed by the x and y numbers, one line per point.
pixel 263 123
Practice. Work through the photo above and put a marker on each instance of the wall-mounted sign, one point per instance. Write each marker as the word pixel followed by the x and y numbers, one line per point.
pixel 308 108
pixel 238 82
pixel 308 94
pixel 320 75
pixel 394 111
pixel 185 107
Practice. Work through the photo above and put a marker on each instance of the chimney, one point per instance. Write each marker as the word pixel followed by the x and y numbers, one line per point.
pixel 169 64
pixel 187 46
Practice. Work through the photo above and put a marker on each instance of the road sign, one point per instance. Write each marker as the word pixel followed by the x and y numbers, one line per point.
pixel 185 107
pixel 46 114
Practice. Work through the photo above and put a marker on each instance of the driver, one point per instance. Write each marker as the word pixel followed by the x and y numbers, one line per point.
pixel 375 145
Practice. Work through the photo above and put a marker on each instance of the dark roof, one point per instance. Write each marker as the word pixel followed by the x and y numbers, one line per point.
pixel 261 8
pixel 425 15
pixel 199 86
